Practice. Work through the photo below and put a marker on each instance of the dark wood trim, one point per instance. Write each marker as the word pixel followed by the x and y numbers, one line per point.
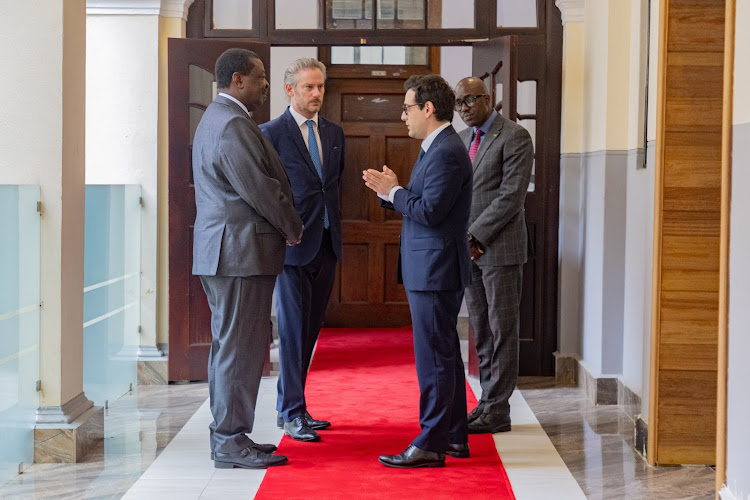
pixel 366 71
pixel 553 100
pixel 264 22
pixel 259 29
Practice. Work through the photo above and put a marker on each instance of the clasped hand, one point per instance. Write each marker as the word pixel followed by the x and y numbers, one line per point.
pixel 291 243
pixel 380 182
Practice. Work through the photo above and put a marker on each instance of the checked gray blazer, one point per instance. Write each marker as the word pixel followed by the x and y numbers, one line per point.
pixel 502 171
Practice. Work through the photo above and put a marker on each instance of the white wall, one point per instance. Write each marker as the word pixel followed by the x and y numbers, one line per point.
pixel 122 127
pixel 738 396
pixel 281 57
pixel 639 218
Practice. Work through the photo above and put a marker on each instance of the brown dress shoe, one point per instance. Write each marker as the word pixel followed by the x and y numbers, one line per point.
pixel 489 423
pixel 458 450
pixel 413 457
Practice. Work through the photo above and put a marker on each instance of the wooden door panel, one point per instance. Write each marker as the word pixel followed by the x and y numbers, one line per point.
pixel 366 292
pixel 191 66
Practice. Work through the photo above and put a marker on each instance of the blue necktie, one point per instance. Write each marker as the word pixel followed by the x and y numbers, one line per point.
pixel 312 145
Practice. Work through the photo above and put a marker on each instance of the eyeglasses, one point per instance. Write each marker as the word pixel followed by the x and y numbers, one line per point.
pixel 405 107
pixel 469 100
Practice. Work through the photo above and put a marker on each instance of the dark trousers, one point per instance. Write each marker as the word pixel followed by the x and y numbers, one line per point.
pixel 302 294
pixel 240 312
pixel 493 299
pixel 440 370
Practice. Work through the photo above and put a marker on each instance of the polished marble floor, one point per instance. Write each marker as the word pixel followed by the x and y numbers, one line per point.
pixel 560 447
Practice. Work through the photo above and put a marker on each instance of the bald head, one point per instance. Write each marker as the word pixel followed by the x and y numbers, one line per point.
pixel 472 101
pixel 472 85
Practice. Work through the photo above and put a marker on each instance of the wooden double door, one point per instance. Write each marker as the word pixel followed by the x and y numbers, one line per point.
pixel 366 293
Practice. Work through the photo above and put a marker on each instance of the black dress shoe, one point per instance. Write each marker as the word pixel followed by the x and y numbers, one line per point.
pixel 489 423
pixel 475 414
pixel 413 457
pixel 265 448
pixel 316 424
pixel 299 430
pixel 458 450
pixel 249 458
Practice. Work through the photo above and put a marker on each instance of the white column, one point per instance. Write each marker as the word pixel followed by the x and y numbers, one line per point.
pixel 126 127
pixel 42 140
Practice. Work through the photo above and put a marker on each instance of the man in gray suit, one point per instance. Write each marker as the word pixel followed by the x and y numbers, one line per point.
pixel 502 155
pixel 244 215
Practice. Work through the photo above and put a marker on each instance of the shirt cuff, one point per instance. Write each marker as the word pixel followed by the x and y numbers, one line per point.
pixel 392 192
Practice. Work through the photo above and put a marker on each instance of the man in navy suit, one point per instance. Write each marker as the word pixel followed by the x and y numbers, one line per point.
pixel 312 151
pixel 435 266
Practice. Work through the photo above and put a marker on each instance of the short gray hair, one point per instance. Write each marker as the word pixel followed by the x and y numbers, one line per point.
pixel 290 75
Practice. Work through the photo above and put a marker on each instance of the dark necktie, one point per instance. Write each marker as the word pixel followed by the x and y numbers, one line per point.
pixel 312 145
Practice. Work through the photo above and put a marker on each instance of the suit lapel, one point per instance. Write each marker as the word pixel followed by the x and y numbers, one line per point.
pixel 492 134
pixel 325 140
pixel 294 132
pixel 418 168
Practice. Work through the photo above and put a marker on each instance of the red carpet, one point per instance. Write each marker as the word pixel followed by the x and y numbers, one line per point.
pixel 365 382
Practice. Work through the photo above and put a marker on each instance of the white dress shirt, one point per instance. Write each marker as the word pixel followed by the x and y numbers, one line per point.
pixel 302 124
pixel 244 108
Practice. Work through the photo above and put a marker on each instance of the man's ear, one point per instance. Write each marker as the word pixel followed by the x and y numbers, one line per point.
pixel 289 90
pixel 429 109
pixel 237 79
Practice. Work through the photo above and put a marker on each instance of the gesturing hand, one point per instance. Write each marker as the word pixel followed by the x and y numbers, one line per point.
pixel 380 182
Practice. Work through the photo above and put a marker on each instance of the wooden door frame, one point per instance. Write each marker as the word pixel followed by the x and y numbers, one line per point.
pixel 723 272
pixel 726 195
pixel 180 245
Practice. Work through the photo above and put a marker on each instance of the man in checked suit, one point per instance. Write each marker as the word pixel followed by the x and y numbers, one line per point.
pixel 435 267
pixel 312 151
pixel 502 156
pixel 244 215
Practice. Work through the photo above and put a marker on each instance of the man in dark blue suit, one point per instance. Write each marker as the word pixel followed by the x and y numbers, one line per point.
pixel 435 266
pixel 312 151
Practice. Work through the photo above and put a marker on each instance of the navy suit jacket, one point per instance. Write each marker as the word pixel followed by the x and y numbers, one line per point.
pixel 435 205
pixel 310 194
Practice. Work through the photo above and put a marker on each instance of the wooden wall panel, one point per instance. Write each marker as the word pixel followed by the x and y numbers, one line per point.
pixel 687 234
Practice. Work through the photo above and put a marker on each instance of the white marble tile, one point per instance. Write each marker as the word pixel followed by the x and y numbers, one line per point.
pixel 161 489
pixel 531 461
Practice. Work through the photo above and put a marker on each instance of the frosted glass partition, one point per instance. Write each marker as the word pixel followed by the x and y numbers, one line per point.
pixel 111 298
pixel 19 326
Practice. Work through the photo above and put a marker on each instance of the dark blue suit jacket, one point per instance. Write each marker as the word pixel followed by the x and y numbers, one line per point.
pixel 435 205
pixel 309 192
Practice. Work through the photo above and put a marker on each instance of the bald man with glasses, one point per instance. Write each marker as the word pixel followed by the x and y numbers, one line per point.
pixel 502 157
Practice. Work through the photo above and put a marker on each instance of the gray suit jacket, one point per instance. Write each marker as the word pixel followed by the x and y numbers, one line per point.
pixel 244 206
pixel 502 171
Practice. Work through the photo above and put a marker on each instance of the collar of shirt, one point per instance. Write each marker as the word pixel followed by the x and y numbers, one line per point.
pixel 485 126
pixel 301 119
pixel 244 108
pixel 430 138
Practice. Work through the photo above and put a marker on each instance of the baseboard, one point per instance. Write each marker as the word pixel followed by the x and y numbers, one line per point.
pixel 641 435
pixel 566 370
pixel 153 371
